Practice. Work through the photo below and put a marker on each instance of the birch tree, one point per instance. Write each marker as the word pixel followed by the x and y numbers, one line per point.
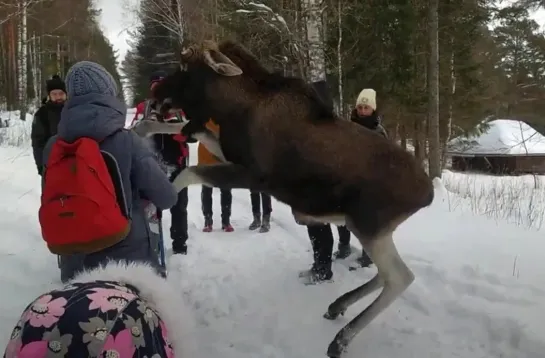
pixel 315 42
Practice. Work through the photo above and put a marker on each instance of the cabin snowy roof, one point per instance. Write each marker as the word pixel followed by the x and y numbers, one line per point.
pixel 504 137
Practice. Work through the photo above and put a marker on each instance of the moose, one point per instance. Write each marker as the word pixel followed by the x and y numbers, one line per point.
pixel 279 137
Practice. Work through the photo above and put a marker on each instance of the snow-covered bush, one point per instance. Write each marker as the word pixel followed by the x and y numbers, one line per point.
pixel 516 199
pixel 13 131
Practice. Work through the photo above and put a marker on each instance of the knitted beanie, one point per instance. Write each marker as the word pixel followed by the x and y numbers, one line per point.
pixel 367 97
pixel 55 83
pixel 87 77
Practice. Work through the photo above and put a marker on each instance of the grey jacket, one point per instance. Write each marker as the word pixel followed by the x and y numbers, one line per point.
pixel 103 119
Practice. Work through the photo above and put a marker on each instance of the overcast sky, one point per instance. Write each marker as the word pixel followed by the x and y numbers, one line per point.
pixel 117 16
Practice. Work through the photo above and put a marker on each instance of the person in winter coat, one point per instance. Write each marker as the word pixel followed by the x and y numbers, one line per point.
pixel 173 153
pixel 364 114
pixel 93 110
pixel 113 311
pixel 226 198
pixel 46 119
pixel 321 236
pixel 258 200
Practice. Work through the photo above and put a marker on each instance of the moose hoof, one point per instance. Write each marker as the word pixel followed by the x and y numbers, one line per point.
pixel 333 313
pixel 336 349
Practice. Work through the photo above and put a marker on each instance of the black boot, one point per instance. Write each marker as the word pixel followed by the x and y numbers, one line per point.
pixel 179 247
pixel 256 223
pixel 364 260
pixel 318 273
pixel 343 251
pixel 266 223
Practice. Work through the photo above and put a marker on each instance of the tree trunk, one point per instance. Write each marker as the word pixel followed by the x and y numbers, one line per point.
pixel 316 53
pixel 22 65
pixel 340 57
pixel 434 156
pixel 446 124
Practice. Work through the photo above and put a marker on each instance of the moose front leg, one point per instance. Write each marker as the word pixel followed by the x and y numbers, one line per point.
pixel 224 175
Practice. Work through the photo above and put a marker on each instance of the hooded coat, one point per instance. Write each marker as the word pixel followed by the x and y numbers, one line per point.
pixel 102 117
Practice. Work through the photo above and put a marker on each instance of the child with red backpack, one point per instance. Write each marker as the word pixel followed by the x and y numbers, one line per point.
pixel 96 179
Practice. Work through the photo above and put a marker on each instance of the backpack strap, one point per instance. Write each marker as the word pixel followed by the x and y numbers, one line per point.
pixel 115 173
pixel 117 179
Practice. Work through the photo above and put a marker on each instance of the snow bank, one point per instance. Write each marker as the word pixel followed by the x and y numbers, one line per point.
pixel 504 137
pixel 518 200
pixel 14 132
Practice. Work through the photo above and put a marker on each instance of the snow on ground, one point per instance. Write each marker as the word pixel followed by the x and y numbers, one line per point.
pixel 478 292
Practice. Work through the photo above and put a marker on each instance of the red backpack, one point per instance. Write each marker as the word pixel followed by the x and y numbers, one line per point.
pixel 83 207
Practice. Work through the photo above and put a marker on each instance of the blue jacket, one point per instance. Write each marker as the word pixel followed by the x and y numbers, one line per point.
pixel 103 119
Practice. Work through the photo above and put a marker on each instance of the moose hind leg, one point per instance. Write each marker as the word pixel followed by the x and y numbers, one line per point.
pixel 224 175
pixel 395 277
pixel 339 306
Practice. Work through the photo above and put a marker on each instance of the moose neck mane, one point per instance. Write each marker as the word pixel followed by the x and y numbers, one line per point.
pixel 272 81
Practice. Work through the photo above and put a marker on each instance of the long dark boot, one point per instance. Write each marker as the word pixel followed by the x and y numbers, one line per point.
pixel 321 239
pixel 256 223
pixel 364 260
pixel 266 223
pixel 344 250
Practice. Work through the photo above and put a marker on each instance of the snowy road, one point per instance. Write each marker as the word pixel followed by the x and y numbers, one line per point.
pixel 470 298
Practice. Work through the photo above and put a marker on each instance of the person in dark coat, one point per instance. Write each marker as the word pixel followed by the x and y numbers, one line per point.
pixel 365 114
pixel 93 110
pixel 321 236
pixel 47 117
pixel 226 197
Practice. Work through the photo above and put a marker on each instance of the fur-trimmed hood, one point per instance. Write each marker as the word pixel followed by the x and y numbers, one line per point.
pixel 158 293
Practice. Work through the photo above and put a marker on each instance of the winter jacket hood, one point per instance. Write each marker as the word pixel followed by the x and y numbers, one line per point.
pixel 92 115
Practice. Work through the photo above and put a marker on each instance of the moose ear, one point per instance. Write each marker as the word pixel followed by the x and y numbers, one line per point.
pixel 226 69
pixel 223 65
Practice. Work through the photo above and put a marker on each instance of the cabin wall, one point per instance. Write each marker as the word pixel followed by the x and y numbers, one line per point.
pixel 500 165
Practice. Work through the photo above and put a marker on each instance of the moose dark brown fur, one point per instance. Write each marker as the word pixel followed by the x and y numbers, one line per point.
pixel 280 138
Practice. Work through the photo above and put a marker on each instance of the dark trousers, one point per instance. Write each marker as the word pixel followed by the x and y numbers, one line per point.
pixel 321 238
pixel 258 200
pixel 344 235
pixel 226 202
pixel 178 226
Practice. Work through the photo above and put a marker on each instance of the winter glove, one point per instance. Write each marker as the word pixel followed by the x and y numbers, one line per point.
pixel 150 212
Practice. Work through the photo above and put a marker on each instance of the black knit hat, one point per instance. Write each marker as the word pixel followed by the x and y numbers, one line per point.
pixel 55 83
pixel 157 76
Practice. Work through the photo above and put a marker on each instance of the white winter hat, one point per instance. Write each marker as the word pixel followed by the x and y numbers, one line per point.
pixel 367 97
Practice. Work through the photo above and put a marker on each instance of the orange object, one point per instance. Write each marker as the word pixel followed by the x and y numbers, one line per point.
pixel 203 155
